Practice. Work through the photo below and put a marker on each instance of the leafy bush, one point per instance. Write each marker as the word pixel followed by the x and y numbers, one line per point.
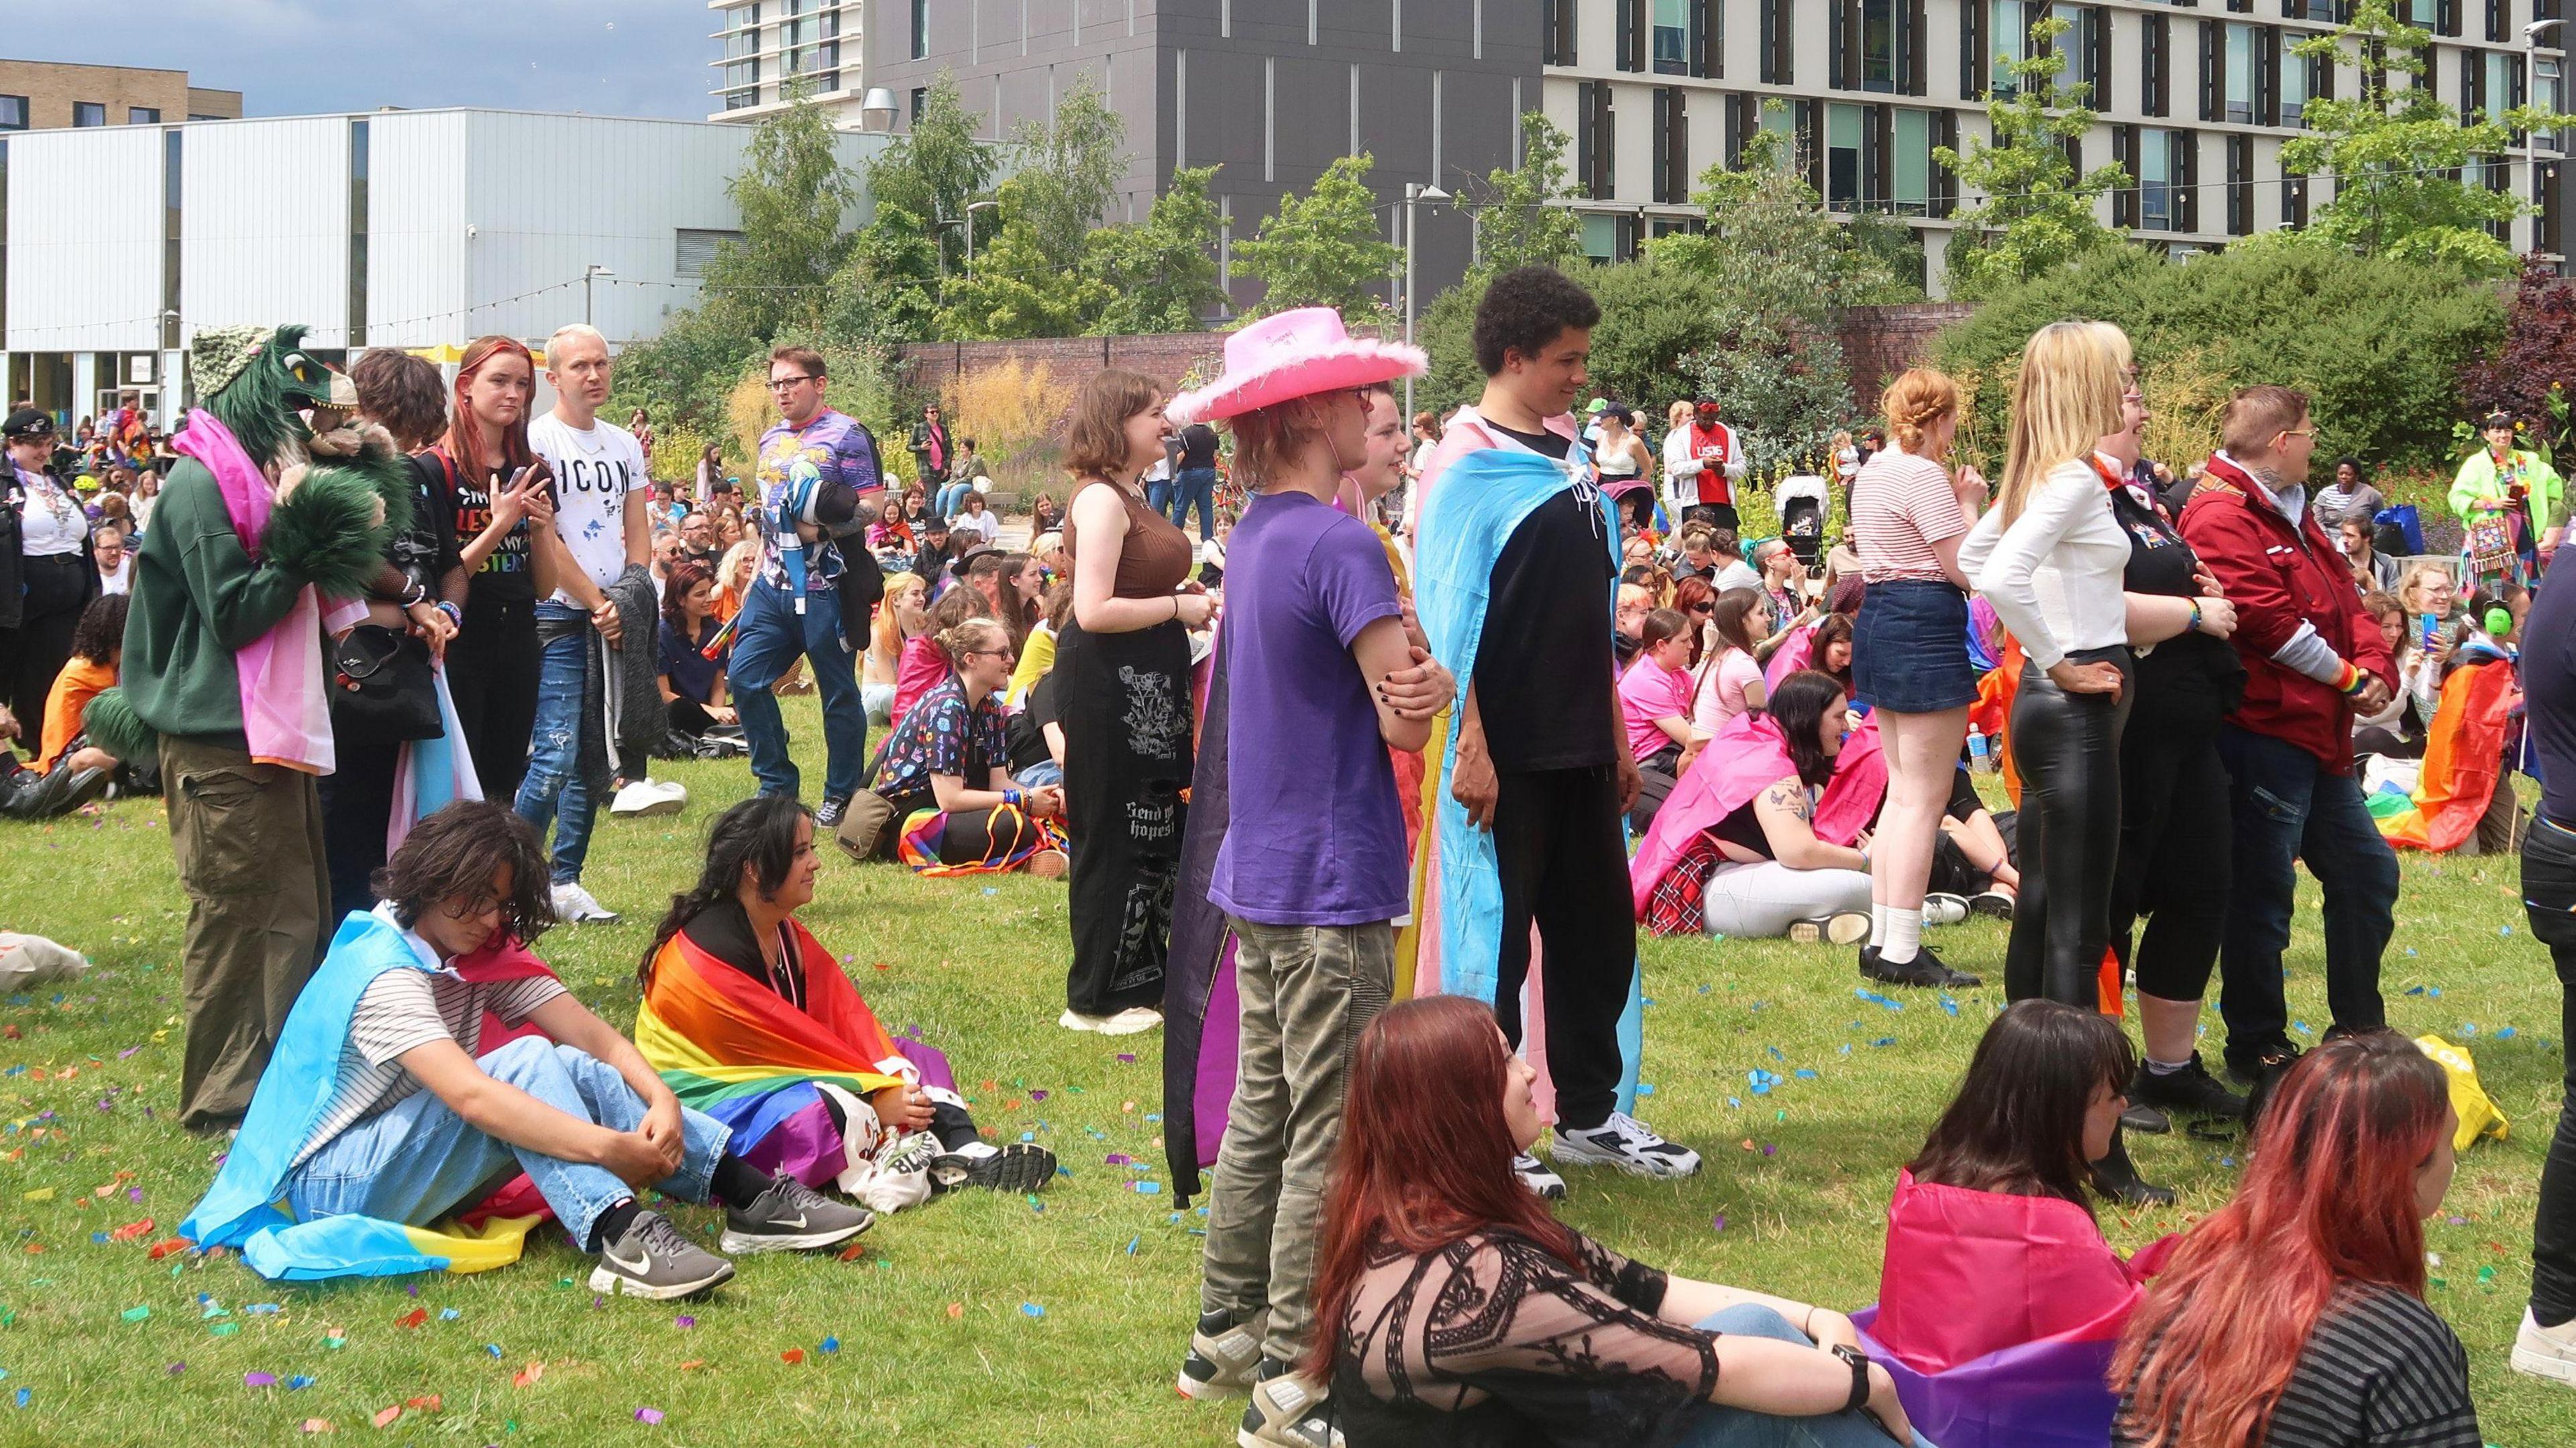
pixel 2376 344
pixel 2531 369
pixel 1782 383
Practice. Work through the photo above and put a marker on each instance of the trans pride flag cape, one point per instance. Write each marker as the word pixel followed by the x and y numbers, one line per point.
pixel 2463 760
pixel 1998 1316
pixel 245 1208
pixel 728 1046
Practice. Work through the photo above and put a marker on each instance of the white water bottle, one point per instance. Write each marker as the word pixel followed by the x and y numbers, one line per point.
pixel 1981 760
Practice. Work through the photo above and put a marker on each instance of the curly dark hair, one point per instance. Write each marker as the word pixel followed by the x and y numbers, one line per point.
pixel 458 851
pixel 1524 310
pixel 101 630
pixel 758 834
pixel 407 394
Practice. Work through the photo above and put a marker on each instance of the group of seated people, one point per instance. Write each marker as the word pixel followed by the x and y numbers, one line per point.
pixel 433 1054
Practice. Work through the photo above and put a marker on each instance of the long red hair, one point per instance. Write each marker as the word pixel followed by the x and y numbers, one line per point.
pixel 465 435
pixel 1426 1154
pixel 1687 595
pixel 2328 1198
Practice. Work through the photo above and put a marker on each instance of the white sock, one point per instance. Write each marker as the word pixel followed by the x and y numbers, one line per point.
pixel 974 1149
pixel 1904 935
pixel 1877 924
pixel 2164 1068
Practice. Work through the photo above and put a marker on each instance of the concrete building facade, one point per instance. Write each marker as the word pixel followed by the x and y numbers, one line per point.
pixel 42 95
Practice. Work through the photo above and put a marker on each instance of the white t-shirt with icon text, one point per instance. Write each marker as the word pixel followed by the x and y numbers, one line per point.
pixel 594 471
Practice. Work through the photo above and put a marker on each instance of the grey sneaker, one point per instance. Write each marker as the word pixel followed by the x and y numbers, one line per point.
pixel 1224 1356
pixel 1628 1144
pixel 651 1259
pixel 1538 1177
pixel 1286 1412
pixel 791 1217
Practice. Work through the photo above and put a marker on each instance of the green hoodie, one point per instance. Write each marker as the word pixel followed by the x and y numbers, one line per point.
pixel 198 597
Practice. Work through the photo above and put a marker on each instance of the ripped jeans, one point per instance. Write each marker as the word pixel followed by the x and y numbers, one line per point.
pixel 558 790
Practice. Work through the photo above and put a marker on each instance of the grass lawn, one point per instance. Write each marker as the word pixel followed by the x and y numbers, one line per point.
pixel 981 1319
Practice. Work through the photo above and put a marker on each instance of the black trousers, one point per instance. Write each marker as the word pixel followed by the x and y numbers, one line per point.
pixel 2549 901
pixel 1564 867
pixel 2067 747
pixel 57 589
pixel 357 806
pixel 2176 834
pixel 492 668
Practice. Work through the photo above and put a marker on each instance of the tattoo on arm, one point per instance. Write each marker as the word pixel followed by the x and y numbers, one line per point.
pixel 1788 795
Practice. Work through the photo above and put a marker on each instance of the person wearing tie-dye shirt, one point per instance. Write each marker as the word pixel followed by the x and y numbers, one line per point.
pixel 818 480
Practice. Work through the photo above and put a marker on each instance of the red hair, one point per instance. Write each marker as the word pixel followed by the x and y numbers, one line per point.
pixel 2328 1198
pixel 1426 1154
pixel 465 435
pixel 1686 594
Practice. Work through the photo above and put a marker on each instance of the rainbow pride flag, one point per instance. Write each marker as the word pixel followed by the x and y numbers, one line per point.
pixel 2463 759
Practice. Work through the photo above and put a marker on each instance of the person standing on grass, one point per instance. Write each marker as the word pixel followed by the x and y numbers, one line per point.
pixel 1516 565
pixel 1322 675
pixel 2314 658
pixel 2546 1345
pixel 502 499
pixel 1701 473
pixel 819 483
pixel 604 538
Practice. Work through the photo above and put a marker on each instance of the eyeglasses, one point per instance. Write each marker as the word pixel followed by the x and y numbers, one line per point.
pixel 784 384
pixel 993 653
pixel 2298 432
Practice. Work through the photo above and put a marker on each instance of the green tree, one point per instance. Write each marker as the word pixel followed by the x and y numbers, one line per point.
pixel 1162 271
pixel 1517 220
pixel 2038 213
pixel 2395 153
pixel 1016 289
pixel 1068 171
pixel 1770 242
pixel 889 288
pixel 1323 249
pixel 793 195
pixel 936 169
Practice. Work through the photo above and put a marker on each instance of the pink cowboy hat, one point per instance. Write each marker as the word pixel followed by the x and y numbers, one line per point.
pixel 1292 355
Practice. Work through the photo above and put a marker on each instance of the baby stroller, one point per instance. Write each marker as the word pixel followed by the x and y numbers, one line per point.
pixel 1801 501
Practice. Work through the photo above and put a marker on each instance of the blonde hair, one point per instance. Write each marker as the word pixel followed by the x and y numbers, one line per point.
pixel 975 634
pixel 733 559
pixel 2406 584
pixel 2068 400
pixel 2258 415
pixel 1914 401
pixel 887 640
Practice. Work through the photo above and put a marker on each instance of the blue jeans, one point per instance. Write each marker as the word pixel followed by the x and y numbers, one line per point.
pixel 557 790
pixel 417 1160
pixel 1158 494
pixel 1195 485
pixel 1045 771
pixel 952 499
pixel 772 634
pixel 2288 808
pixel 1711 1426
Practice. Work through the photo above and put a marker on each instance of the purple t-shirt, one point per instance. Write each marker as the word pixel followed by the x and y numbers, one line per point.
pixel 1313 835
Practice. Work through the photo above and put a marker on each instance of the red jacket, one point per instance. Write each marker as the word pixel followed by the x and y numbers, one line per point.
pixel 2280 577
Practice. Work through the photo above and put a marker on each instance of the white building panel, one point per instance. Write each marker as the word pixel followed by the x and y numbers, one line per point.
pixel 418 284
pixel 85 240
pixel 265 226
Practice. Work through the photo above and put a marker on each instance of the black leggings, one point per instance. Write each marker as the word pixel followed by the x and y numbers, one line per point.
pixel 2067 748
pixel 57 592
pixel 2177 839
pixel 492 676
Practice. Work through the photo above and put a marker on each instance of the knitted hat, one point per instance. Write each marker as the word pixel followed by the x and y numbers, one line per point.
pixel 217 355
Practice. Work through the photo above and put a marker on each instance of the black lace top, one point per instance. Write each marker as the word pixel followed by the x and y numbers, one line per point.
pixel 1492 1341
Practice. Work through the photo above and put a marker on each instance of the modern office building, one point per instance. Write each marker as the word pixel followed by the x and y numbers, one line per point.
pixel 765 47
pixel 41 95
pixel 420 229
pixel 2195 99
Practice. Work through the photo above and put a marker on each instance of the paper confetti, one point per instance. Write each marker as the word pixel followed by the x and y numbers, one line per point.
pixel 413 1318
pixel 829 1344
pixel 385 1417
pixel 649 1417
pixel 259 1380
pixel 792 1356
pixel 1031 1309
pixel 316 1425
pixel 136 1314
pixel 529 1374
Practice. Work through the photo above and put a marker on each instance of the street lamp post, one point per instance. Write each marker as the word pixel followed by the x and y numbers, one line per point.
pixel 588 274
pixel 2531 34
pixel 968 222
pixel 1414 192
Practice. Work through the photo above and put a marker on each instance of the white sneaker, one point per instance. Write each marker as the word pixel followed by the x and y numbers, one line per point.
pixel 646 797
pixel 2545 1352
pixel 1628 1144
pixel 1126 1023
pixel 1536 1176
pixel 1939 909
pixel 574 905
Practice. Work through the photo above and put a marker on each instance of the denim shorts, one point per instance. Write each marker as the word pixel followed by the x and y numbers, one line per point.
pixel 1910 648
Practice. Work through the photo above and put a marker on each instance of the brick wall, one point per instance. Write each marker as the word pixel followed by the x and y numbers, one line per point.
pixel 50 90
pixel 1879 342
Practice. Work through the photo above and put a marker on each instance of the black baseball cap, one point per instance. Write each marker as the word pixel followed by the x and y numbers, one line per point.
pixel 28 422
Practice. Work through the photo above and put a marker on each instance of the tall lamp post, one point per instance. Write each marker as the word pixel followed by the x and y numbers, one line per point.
pixel 968 222
pixel 2531 33
pixel 588 274
pixel 1415 192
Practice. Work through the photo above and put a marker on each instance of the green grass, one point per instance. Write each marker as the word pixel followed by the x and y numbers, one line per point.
pixel 1800 1177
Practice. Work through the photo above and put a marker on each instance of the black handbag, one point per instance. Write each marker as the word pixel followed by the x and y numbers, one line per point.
pixel 381 688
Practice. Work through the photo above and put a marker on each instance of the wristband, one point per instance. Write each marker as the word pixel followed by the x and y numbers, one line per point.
pixel 2195 617
pixel 1011 798
pixel 455 615
pixel 2353 680
pixel 1859 1362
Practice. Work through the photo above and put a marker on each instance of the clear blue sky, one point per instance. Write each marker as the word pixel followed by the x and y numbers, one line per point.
pixel 292 57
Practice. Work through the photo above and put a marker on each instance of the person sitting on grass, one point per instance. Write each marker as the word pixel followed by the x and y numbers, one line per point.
pixel 1992 1242
pixel 922 663
pixel 35 794
pixel 1452 1308
pixel 2295 1314
pixel 944 773
pixel 750 1019
pixel 693 685
pixel 378 1108
pixel 98 650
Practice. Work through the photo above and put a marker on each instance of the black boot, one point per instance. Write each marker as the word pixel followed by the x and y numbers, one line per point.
pixel 2115 1177
pixel 27 795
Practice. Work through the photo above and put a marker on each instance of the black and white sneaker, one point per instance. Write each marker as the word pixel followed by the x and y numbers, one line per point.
pixel 1013 1167
pixel 651 1259
pixel 1996 903
pixel 791 1217
pixel 1628 1144
pixel 1940 909
pixel 1224 1356
pixel 2191 1091
pixel 829 815
pixel 1536 1175
pixel 1286 1411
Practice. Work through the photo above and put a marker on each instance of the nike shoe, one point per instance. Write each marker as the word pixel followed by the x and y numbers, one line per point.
pixel 1224 1356
pixel 1539 1177
pixel 791 1217
pixel 576 906
pixel 1628 1144
pixel 651 1259
pixel 1843 927
pixel 1014 1167
pixel 1286 1411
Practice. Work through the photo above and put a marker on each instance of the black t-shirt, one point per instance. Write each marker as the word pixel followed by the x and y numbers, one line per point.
pixel 1555 445
pixel 1198 446
pixel 1544 666
pixel 2194 678
pixel 1026 730
pixel 505 576
pixel 1743 828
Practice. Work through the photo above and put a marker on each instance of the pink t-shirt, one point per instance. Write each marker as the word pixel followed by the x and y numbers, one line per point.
pixel 1900 506
pixel 1719 695
pixel 1648 692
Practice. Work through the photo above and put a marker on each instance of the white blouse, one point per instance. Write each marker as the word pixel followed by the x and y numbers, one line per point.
pixel 51 522
pixel 2055 575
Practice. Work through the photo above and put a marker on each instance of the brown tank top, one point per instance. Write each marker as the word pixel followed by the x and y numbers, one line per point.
pixel 1154 557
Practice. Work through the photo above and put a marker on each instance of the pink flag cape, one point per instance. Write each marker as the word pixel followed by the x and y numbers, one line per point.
pixel 285 715
pixel 1748 756
pixel 1998 1315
